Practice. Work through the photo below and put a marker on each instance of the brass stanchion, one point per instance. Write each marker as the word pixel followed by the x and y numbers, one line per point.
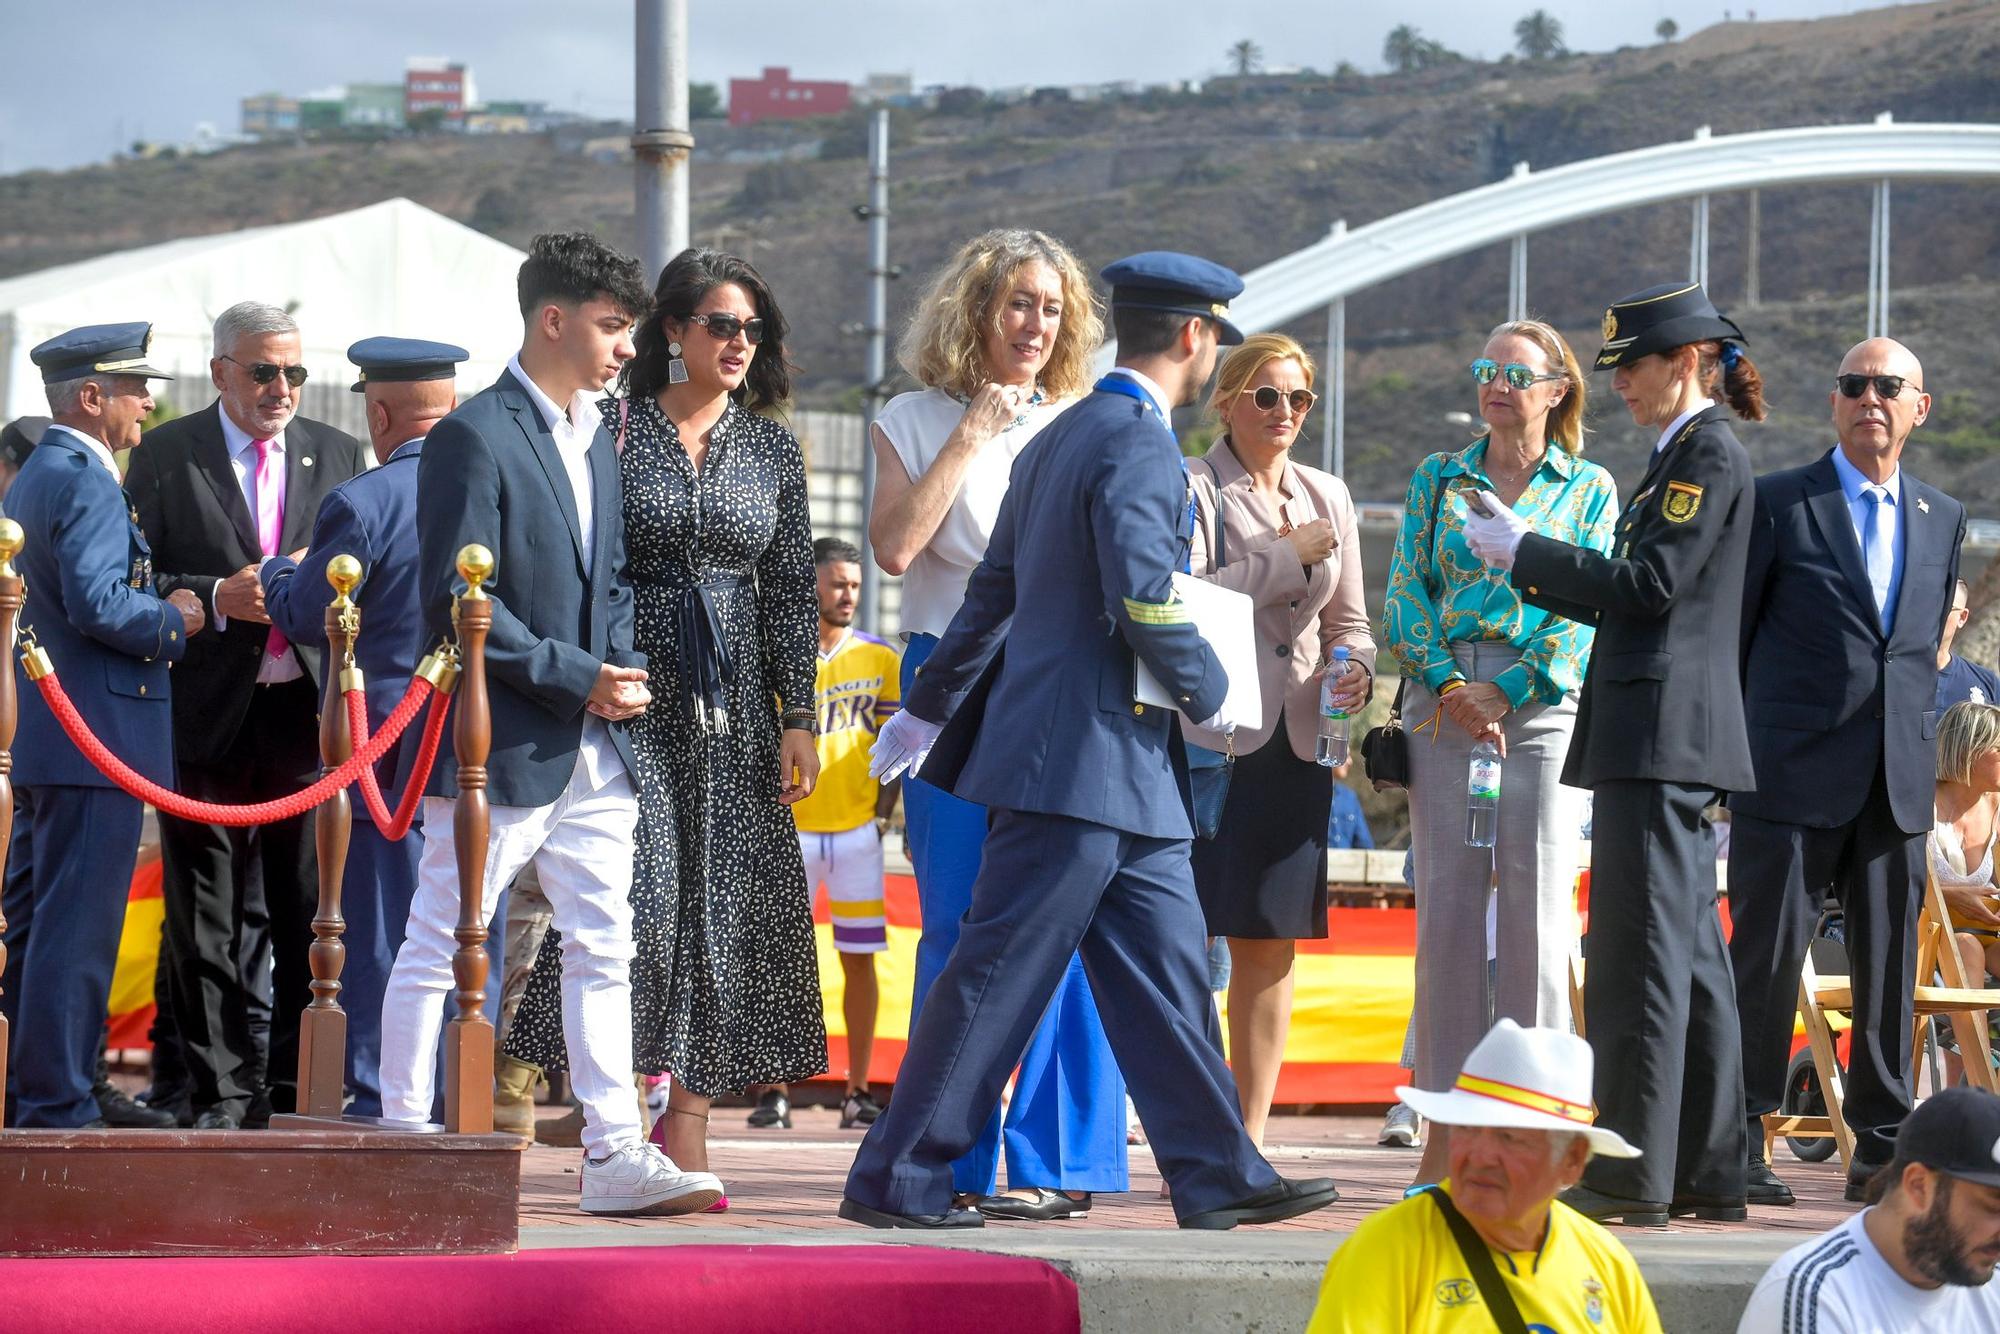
pixel 13 592
pixel 468 1047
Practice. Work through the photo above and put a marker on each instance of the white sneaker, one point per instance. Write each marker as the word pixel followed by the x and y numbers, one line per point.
pixel 639 1179
pixel 1403 1129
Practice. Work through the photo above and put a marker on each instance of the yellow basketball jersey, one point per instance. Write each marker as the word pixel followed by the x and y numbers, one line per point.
pixel 857 691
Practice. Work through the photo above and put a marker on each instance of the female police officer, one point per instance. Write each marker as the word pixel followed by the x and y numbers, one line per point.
pixel 1659 736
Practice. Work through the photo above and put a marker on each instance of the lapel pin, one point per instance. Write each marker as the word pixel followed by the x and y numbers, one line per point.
pixel 1923 505
pixel 305 461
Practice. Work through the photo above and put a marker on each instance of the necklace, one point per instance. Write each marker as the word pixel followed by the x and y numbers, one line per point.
pixel 1035 400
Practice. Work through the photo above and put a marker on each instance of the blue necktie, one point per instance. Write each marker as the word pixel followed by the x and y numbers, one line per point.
pixel 1878 549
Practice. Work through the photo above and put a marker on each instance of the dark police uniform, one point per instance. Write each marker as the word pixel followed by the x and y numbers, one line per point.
pixel 1659 737
pixel 372 517
pixel 1089 841
pixel 92 605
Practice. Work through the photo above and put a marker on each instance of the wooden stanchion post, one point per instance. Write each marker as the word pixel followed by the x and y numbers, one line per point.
pixel 323 1025
pixel 468 1044
pixel 13 592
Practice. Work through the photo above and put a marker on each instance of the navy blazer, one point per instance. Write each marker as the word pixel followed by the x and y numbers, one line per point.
pixel 372 518
pixel 92 605
pixel 1077 580
pixel 491 473
pixel 1832 701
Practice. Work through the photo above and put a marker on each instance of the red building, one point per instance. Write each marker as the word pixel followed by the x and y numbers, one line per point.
pixel 436 85
pixel 777 96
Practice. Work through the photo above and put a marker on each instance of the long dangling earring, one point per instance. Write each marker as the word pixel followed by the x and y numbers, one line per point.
pixel 677 370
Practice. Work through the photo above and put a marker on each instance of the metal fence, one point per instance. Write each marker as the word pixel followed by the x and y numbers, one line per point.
pixel 833 444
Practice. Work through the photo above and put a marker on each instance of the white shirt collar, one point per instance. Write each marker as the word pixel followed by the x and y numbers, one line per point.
pixel 581 417
pixel 1153 391
pixel 1700 405
pixel 239 439
pixel 98 449
pixel 1852 481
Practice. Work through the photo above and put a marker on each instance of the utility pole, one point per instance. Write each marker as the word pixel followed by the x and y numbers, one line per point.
pixel 660 138
pixel 876 214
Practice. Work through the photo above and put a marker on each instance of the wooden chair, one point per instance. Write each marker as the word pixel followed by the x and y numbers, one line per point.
pixel 1943 989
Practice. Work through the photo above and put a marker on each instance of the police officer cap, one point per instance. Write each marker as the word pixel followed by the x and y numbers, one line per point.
pixel 1183 284
pixel 19 437
pixel 1660 319
pixel 96 349
pixel 391 360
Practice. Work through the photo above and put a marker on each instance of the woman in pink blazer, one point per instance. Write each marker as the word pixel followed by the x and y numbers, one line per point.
pixel 1288 538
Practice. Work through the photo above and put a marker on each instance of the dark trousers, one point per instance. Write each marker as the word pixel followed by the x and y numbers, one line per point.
pixel 1658 1002
pixel 65 907
pixel 211 877
pixel 377 885
pixel 1048 887
pixel 1779 875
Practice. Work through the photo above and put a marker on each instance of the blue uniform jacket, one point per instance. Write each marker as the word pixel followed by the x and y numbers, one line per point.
pixel 373 518
pixel 1076 581
pixel 92 605
pixel 491 473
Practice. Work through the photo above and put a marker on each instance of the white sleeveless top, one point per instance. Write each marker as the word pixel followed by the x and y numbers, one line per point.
pixel 1948 860
pixel 917 425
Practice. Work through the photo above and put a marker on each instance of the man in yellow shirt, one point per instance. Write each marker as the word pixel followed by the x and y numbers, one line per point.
pixel 842 821
pixel 1493 1235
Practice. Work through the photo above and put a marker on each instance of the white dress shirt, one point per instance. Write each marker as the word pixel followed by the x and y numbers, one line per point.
pixel 243 462
pixel 1700 405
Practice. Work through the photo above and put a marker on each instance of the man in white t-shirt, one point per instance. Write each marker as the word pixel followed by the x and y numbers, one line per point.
pixel 1921 1259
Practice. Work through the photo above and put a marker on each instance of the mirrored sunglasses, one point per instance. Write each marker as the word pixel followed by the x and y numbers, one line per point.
pixel 1486 370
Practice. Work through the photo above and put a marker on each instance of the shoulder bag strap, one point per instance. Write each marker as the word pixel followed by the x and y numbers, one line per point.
pixel 1437 499
pixel 1479 1258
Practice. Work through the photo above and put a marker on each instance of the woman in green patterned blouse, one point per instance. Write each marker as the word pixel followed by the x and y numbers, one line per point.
pixel 1480 664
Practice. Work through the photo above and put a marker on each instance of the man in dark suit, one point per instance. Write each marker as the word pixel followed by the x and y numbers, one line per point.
pixel 1090 832
pixel 216 492
pixel 410 387
pixel 526 470
pixel 111 637
pixel 1852 562
pixel 1659 738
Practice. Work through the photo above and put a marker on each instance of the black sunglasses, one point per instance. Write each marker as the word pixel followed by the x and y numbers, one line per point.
pixel 263 372
pixel 722 328
pixel 1888 386
pixel 1267 397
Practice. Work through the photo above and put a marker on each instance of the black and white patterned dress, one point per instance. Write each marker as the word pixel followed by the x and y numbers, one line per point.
pixel 725 985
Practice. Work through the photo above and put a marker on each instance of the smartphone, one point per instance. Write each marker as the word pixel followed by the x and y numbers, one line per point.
pixel 1477 504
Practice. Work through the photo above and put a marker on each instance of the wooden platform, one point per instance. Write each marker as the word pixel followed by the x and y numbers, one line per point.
pixel 332 1188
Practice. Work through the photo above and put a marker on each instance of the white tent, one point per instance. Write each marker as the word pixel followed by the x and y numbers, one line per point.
pixel 393 268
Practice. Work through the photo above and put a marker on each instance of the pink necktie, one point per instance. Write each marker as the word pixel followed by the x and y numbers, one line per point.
pixel 270 521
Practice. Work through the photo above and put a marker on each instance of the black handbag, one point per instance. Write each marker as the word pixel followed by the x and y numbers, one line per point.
pixel 1209 770
pixel 1385 751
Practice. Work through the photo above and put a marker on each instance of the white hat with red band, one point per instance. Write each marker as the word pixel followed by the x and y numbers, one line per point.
pixel 1524 1078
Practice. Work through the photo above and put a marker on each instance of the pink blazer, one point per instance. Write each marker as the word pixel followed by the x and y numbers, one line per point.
pixel 1301 614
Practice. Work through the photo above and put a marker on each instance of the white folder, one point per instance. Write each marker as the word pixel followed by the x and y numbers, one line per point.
pixel 1224 618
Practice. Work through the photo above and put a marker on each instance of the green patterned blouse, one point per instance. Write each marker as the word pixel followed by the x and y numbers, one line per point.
pixel 1439 592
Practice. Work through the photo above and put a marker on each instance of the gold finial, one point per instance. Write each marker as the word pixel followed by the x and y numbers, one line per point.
pixel 475 565
pixel 343 572
pixel 11 541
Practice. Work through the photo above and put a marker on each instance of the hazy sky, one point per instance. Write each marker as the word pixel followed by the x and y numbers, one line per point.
pixel 73 89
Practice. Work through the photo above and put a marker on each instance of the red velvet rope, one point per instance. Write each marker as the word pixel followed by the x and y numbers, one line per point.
pixel 393 827
pixel 173 803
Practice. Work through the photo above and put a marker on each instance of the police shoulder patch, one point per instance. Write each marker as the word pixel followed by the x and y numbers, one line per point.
pixel 1681 501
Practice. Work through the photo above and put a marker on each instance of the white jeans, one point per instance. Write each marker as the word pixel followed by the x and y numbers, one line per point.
pixel 581 846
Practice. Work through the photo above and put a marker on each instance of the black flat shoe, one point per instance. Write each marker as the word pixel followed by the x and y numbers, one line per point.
pixel 1763 1186
pixel 773 1112
pixel 116 1107
pixel 1046 1206
pixel 1711 1208
pixel 855 1212
pixel 1276 1202
pixel 1858 1178
pixel 1613 1209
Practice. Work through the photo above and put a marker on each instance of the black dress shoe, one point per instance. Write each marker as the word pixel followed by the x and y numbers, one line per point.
pixel 1614 1209
pixel 773 1112
pixel 1712 1208
pixel 216 1120
pixel 257 1116
pixel 118 1109
pixel 855 1212
pixel 1858 1177
pixel 1278 1201
pixel 1045 1206
pixel 1763 1186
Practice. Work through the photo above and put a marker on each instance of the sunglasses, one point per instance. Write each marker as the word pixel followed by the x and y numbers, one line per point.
pixel 263 372
pixel 722 328
pixel 1486 370
pixel 1267 397
pixel 1888 386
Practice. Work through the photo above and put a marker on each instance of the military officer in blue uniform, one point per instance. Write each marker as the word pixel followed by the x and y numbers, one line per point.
pixel 92 606
pixel 410 385
pixel 1090 834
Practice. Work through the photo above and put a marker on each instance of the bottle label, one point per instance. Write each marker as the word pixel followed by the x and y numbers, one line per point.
pixel 1484 779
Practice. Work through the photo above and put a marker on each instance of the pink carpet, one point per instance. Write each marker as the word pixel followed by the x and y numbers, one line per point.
pixel 711 1289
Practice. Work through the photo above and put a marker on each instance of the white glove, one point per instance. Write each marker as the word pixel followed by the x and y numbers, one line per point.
pixel 1494 539
pixel 901 745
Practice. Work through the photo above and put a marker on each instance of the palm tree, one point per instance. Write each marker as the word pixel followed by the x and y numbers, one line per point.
pixel 1403 50
pixel 1247 57
pixel 1666 30
pixel 1539 36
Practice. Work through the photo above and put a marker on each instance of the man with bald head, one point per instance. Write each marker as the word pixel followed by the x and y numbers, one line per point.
pixel 410 386
pixel 1852 563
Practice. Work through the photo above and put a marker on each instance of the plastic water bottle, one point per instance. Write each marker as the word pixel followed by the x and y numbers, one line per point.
pixel 1333 718
pixel 1482 795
